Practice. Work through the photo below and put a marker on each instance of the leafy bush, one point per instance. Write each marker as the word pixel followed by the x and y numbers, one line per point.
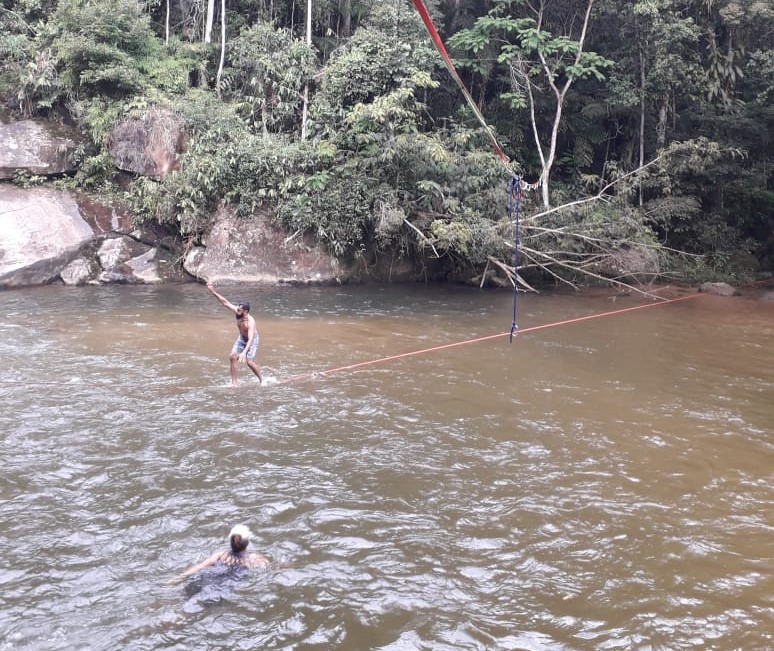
pixel 266 74
pixel 223 161
pixel 337 211
pixel 96 173
pixel 24 179
pixel 98 44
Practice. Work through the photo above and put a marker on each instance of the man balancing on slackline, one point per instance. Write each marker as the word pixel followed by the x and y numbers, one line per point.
pixel 246 344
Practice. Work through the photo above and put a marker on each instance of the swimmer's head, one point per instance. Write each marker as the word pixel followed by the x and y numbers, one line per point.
pixel 239 538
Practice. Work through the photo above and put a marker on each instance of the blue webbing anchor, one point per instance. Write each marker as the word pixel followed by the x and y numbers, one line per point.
pixel 515 183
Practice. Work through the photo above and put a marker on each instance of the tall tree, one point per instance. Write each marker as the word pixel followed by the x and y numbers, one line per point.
pixel 305 108
pixel 209 21
pixel 266 75
pixel 222 44
pixel 536 56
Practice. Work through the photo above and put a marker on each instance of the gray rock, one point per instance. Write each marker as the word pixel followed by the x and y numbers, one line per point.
pixel 79 272
pixel 125 260
pixel 721 289
pixel 118 275
pixel 113 252
pixel 47 235
pixel 144 267
pixel 40 148
pixel 148 145
pixel 44 238
pixel 256 251
pixel 41 230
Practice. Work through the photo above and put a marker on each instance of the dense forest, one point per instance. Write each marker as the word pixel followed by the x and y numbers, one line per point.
pixel 636 133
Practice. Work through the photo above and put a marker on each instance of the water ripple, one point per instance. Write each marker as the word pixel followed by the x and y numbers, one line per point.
pixel 585 489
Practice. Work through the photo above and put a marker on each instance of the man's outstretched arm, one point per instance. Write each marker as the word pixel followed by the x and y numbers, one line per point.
pixel 223 300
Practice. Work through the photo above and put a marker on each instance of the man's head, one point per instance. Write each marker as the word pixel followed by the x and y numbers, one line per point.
pixel 239 538
pixel 244 305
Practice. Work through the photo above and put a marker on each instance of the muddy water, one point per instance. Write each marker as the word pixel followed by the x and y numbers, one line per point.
pixel 604 484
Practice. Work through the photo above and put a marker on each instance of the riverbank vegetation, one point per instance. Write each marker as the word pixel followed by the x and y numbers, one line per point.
pixel 640 131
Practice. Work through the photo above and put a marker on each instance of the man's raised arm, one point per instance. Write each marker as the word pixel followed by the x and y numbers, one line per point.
pixel 223 300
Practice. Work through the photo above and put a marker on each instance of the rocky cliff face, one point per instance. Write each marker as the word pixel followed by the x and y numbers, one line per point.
pixel 147 145
pixel 257 251
pixel 48 235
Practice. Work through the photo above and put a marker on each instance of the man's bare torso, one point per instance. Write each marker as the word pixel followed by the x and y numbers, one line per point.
pixel 244 326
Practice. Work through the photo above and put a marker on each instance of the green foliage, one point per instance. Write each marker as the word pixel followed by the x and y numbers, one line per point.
pixel 29 11
pixel 14 48
pixel 376 61
pixel 24 179
pixel 27 74
pixel 166 70
pixel 38 86
pixel 266 74
pixel 96 173
pixel 223 161
pixel 371 66
pixel 760 72
pixel 393 161
pixel 98 44
pixel 97 117
pixel 509 39
pixel 335 208
pixel 673 207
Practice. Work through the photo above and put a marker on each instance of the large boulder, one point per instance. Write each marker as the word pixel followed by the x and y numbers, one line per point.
pixel 255 250
pixel 720 289
pixel 41 230
pixel 47 236
pixel 147 145
pixel 122 260
pixel 39 148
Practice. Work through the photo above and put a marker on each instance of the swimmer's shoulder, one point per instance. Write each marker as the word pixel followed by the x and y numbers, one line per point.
pixel 256 560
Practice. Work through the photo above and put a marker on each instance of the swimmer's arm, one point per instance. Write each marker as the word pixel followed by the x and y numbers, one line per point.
pixel 256 560
pixel 207 562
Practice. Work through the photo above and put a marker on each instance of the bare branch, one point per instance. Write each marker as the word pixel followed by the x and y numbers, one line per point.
pixel 600 195
pixel 423 238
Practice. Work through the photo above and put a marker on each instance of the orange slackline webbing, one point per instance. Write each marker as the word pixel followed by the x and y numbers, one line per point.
pixel 555 324
pixel 433 32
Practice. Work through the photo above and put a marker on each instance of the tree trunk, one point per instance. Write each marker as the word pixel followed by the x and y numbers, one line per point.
pixel 345 9
pixel 663 112
pixel 642 121
pixel 547 158
pixel 222 44
pixel 306 86
pixel 166 26
pixel 210 18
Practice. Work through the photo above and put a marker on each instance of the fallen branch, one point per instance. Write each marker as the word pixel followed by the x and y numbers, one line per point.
pixel 422 236
pixel 600 196
pixel 511 274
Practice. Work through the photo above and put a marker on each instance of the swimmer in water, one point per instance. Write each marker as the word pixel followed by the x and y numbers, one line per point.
pixel 236 556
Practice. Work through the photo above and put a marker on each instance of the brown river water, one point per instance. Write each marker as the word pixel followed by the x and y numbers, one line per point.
pixel 603 484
